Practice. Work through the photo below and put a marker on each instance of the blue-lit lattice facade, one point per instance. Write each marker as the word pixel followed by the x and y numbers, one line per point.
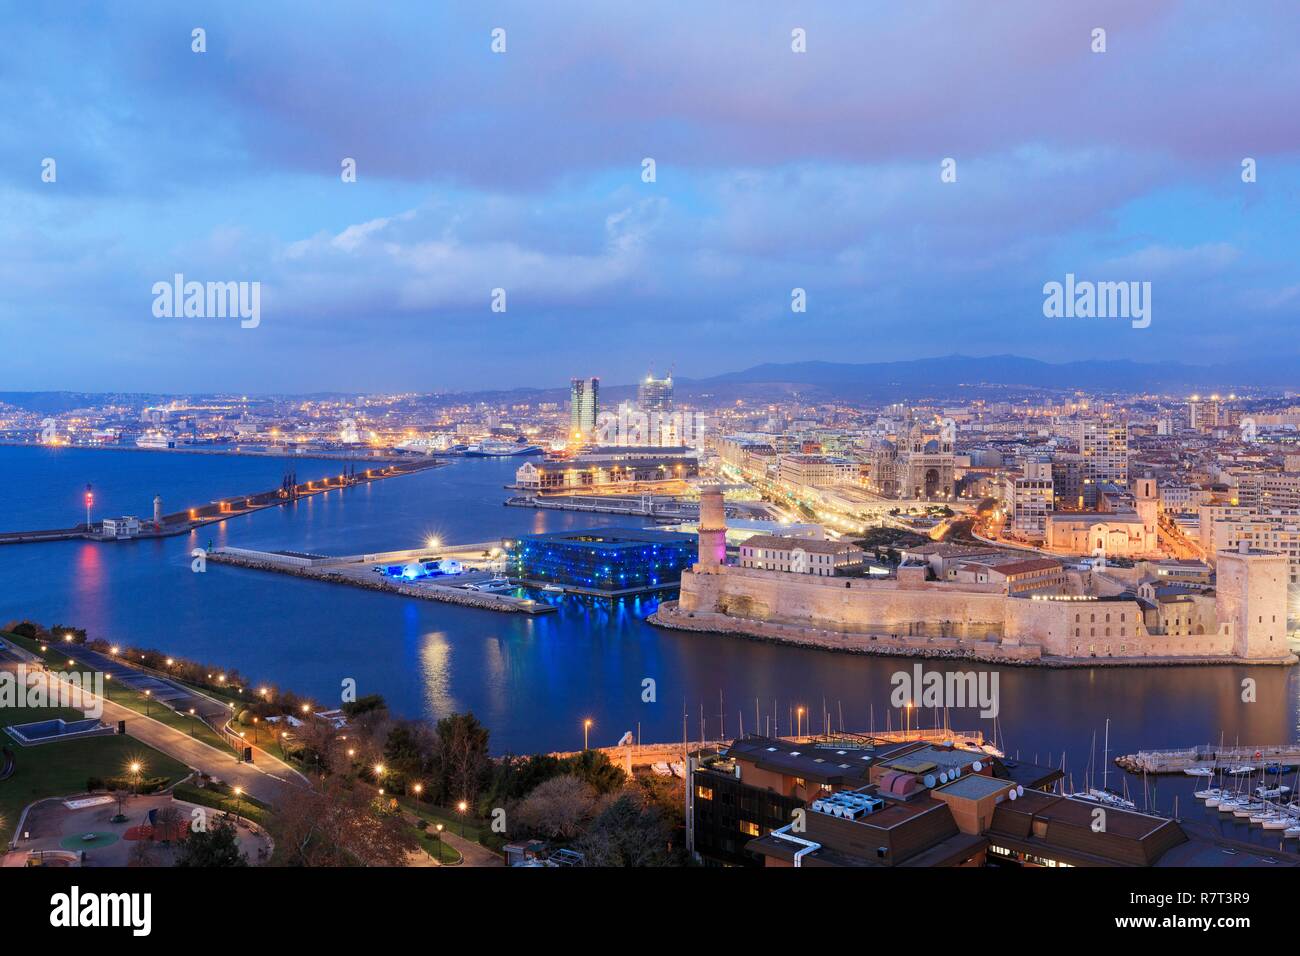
pixel 608 560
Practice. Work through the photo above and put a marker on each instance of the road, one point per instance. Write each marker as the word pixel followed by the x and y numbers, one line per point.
pixel 266 782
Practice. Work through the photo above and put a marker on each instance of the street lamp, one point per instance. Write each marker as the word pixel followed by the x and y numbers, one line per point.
pixel 462 807
pixel 419 789
pixel 437 827
pixel 239 793
pixel 798 723
pixel 148 698
pixel 108 690
pixel 136 767
pixel 586 726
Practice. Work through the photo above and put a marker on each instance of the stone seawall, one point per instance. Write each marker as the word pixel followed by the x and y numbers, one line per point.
pixel 433 592
pixel 670 615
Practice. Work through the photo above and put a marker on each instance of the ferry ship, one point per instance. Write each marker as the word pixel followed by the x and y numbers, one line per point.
pixel 155 439
pixel 501 449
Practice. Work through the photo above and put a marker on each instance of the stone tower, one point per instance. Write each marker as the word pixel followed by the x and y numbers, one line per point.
pixel 1146 500
pixel 713 527
pixel 157 510
pixel 1251 602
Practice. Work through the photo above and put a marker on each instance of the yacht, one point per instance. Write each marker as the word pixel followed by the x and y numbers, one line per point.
pixel 1105 798
pixel 1271 793
pixel 1198 772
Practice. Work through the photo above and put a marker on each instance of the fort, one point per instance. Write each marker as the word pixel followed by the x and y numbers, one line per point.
pixel 1243 620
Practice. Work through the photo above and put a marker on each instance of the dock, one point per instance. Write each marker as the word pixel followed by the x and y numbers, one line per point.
pixel 1210 755
pixel 357 571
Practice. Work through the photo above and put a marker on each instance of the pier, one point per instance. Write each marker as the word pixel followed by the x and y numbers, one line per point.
pixel 183 522
pixel 1210 755
pixel 357 570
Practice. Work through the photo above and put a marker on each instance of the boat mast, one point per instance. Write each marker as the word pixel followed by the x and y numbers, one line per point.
pixel 1105 757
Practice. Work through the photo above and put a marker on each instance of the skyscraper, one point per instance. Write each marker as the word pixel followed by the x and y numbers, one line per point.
pixel 584 406
pixel 655 394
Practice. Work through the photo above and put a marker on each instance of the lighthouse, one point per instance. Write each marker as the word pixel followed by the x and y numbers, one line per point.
pixel 713 527
pixel 157 510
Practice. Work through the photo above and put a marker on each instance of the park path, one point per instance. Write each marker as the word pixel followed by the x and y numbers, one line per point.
pixel 266 783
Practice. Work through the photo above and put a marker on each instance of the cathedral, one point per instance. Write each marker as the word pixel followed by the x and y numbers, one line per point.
pixel 921 467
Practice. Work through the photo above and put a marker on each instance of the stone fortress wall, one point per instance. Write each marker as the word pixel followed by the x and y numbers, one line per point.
pixel 947 619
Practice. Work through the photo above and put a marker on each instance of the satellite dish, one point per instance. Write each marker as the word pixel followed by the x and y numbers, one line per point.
pixel 928 780
pixel 956 772
pixel 977 766
pixel 1012 795
pixel 943 778
pixel 1020 790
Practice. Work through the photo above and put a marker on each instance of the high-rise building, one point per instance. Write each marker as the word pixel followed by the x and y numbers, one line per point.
pixel 655 394
pixel 584 406
pixel 1103 443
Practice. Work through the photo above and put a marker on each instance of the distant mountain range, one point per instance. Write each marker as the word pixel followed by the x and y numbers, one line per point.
pixel 1004 376
pixel 942 377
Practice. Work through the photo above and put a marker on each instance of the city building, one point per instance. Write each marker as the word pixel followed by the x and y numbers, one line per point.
pixel 584 406
pixel 800 555
pixel 125 527
pixel 655 394
pixel 602 560
pixel 607 473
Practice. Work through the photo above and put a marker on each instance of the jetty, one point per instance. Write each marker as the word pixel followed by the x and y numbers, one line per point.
pixel 221 509
pixel 1210 756
pixel 357 570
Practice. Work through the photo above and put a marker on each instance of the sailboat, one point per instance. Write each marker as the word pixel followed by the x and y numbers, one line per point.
pixel 1105 795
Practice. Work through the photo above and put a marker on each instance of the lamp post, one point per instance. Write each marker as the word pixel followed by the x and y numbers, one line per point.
pixel 108 689
pixel 586 726
pixel 437 828
pixel 239 793
pixel 192 719
pixel 462 807
pixel 148 700
pixel 135 768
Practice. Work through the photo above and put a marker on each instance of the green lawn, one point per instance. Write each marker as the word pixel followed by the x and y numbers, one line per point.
pixel 439 849
pixel 62 767
pixel 449 818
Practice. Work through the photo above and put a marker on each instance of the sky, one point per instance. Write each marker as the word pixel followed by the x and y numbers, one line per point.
pixel 523 171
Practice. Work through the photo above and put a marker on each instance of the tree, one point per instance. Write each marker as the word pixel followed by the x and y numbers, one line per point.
pixel 557 809
pixel 216 846
pixel 142 854
pixel 365 705
pixel 626 834
pixel 595 767
pixel 460 758
pixel 337 825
